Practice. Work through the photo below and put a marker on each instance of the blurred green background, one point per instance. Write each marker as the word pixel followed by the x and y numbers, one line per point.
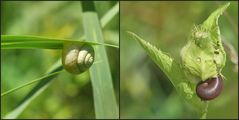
pixel 145 91
pixel 68 96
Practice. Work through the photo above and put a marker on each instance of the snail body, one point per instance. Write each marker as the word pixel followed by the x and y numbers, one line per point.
pixel 77 58
pixel 210 88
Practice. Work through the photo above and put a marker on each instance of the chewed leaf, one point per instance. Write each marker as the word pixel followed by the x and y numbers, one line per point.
pixel 203 55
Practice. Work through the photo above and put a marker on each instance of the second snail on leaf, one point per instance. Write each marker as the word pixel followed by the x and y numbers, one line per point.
pixel 203 57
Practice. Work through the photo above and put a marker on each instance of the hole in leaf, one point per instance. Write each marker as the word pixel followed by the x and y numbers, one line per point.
pixel 216 52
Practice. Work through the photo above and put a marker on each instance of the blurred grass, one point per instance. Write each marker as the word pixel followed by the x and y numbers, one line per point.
pixel 145 92
pixel 69 96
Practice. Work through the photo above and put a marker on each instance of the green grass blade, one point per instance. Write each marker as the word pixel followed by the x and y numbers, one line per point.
pixel 103 91
pixel 109 15
pixel 29 83
pixel 37 90
pixel 32 45
pixel 16 42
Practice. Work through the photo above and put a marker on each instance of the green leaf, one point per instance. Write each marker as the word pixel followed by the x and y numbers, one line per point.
pixel 202 41
pixel 174 72
pixel 103 91
pixel 212 20
pixel 16 42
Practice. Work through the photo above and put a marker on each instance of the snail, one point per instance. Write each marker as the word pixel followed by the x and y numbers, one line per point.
pixel 210 88
pixel 77 58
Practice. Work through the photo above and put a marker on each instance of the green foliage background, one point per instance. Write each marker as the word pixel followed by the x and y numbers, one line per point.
pixel 145 91
pixel 68 96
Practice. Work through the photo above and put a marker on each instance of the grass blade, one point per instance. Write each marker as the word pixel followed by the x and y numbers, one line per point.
pixel 31 45
pixel 109 15
pixel 29 83
pixel 16 42
pixel 38 89
pixel 104 97
pixel 18 110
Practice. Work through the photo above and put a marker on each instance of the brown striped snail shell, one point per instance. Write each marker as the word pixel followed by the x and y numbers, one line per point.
pixel 210 88
pixel 77 58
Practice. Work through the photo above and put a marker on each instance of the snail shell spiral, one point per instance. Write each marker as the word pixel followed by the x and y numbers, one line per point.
pixel 76 58
pixel 210 89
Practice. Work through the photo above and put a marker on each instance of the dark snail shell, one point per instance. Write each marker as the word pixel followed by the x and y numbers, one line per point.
pixel 210 88
pixel 77 59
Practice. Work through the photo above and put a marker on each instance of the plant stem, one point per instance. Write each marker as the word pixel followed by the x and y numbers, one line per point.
pixel 204 113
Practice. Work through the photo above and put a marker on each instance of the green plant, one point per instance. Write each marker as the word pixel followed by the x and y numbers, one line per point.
pixel 203 57
pixel 37 42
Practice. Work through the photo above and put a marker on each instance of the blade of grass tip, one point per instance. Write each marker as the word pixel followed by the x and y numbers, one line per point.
pixel 29 83
pixel 37 90
pixel 104 97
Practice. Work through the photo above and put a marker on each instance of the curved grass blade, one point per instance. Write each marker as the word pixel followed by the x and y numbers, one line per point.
pixel 29 83
pixel 39 88
pixel 103 91
pixel 16 41
pixel 34 81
